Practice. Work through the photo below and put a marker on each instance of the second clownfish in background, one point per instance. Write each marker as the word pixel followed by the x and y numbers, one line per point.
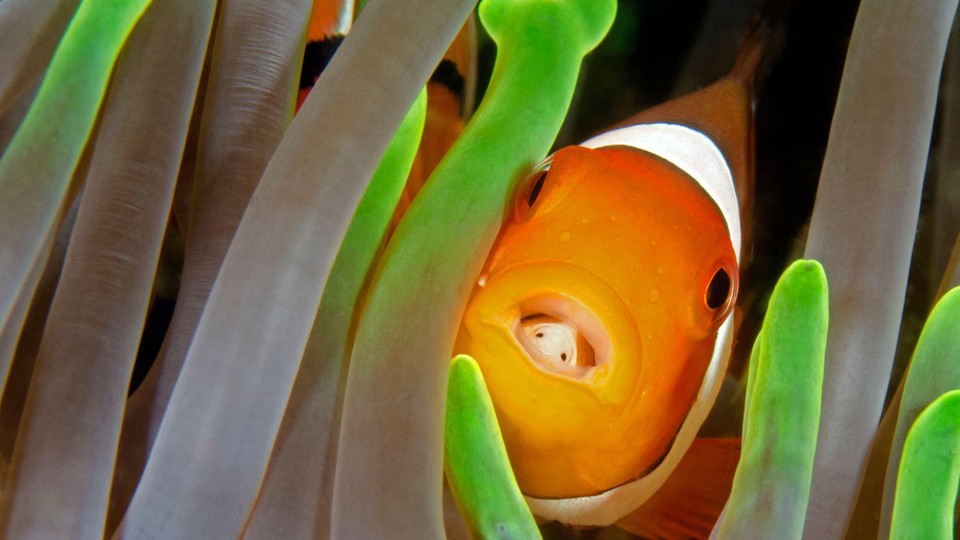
pixel 450 91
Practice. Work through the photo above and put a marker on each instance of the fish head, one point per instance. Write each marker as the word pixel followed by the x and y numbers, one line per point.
pixel 596 316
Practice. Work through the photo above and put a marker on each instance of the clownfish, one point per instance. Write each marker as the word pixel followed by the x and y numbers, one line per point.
pixel 602 319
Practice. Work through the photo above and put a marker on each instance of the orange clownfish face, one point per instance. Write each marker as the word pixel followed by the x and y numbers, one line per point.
pixel 596 318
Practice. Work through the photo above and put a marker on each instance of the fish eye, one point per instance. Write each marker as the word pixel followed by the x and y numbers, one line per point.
pixel 535 187
pixel 718 291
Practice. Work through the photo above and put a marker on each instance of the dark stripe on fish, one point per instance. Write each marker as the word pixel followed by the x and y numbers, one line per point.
pixel 316 57
pixel 449 76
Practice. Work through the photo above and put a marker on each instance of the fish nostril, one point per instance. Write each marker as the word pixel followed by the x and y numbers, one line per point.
pixel 554 343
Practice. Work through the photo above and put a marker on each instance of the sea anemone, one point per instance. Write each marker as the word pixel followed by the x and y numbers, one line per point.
pixel 151 163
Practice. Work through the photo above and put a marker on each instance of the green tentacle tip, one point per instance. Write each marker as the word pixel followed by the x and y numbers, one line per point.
pixel 800 296
pixel 928 475
pixel 798 311
pixel 585 21
pixel 475 460
pixel 782 410
pixel 805 276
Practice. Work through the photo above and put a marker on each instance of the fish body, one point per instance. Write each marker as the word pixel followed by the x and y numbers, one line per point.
pixel 602 320
pixel 599 313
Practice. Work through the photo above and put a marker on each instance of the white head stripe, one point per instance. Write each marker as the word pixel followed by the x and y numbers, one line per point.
pixel 694 153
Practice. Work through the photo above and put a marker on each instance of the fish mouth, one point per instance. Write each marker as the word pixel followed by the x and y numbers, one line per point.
pixel 565 321
pixel 573 384
pixel 561 335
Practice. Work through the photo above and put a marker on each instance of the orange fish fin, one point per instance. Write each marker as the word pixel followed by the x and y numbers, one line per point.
pixel 752 46
pixel 329 22
pixel 691 500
